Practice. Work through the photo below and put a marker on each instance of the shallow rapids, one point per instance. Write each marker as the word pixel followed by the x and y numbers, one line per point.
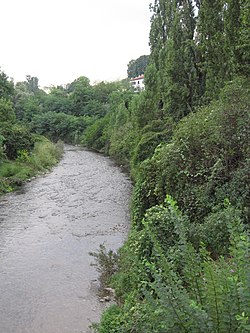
pixel 47 283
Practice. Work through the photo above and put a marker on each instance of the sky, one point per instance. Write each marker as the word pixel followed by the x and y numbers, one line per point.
pixel 59 40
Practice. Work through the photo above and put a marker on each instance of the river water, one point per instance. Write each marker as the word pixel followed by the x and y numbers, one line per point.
pixel 47 282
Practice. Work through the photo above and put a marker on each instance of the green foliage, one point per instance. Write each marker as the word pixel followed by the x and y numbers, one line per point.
pixel 7 114
pixel 95 108
pixel 182 269
pixel 94 136
pixel 60 126
pixel 28 99
pixel 16 138
pixel 26 107
pixel 151 136
pixel 173 54
pixel 106 263
pixel 1 148
pixel 110 322
pixel 167 281
pixel 103 90
pixel 213 232
pixel 27 164
pixel 145 109
pixel 196 50
pixel 138 66
pixel 206 160
pixel 46 154
pixel 113 133
pixel 240 44
pixel 80 94
pixel 57 101
pixel 23 156
pixel 123 136
pixel 182 290
pixel 32 84
pixel 6 86
pixel 214 64
pixel 5 186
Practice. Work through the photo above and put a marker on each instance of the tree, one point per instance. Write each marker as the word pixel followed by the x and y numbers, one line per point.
pixel 28 99
pixel 80 93
pixel 27 108
pixel 243 45
pixel 173 56
pixel 102 90
pixel 138 66
pixel 32 83
pixel 6 86
pixel 7 114
pixel 57 101
pixel 212 45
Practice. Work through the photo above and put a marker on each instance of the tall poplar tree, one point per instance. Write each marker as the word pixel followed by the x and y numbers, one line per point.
pixel 172 51
pixel 243 45
pixel 212 43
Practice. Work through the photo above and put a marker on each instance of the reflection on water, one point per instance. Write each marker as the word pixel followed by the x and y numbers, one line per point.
pixel 47 284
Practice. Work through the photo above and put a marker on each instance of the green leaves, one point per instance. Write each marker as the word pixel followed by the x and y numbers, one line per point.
pixel 181 289
pixel 6 86
pixel 16 138
pixel 7 114
pixel 138 66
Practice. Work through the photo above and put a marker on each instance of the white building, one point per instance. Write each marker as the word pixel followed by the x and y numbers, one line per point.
pixel 138 83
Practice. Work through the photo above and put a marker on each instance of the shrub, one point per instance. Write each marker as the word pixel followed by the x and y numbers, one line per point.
pixel 16 138
pixel 214 231
pixel 207 160
pixel 43 156
pixel 183 290
pixel 94 136
pixel 46 154
pixel 106 263
pixel 1 148
pixel 60 126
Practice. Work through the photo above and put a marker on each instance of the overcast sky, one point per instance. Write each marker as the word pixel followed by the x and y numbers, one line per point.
pixel 60 40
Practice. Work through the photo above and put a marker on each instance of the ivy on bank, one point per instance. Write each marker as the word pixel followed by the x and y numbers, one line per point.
pixel 170 287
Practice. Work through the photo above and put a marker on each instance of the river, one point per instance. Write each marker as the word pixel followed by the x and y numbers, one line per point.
pixel 47 282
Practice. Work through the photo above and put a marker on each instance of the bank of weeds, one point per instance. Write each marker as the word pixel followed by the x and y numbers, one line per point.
pixel 43 157
pixel 185 266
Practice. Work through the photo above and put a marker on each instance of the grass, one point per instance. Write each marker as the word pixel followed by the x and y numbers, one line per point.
pixel 43 157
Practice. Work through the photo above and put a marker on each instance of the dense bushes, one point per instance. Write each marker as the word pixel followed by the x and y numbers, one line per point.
pixel 2 155
pixel 42 157
pixel 149 140
pixel 60 126
pixel 94 137
pixel 208 152
pixel 185 269
pixel 174 288
pixel 16 138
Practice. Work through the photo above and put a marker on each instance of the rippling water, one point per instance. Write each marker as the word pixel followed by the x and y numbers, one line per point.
pixel 47 283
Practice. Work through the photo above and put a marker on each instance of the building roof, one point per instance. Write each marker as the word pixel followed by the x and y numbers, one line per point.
pixel 140 77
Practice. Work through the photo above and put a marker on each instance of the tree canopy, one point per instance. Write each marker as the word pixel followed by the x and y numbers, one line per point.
pixel 138 66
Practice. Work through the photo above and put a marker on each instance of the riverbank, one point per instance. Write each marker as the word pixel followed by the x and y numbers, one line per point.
pixel 13 173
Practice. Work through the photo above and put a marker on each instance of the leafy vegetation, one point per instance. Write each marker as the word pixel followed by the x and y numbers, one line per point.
pixel 185 265
pixel 185 140
pixel 137 67
pixel 27 164
pixel 60 114
pixel 22 153
pixel 106 263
